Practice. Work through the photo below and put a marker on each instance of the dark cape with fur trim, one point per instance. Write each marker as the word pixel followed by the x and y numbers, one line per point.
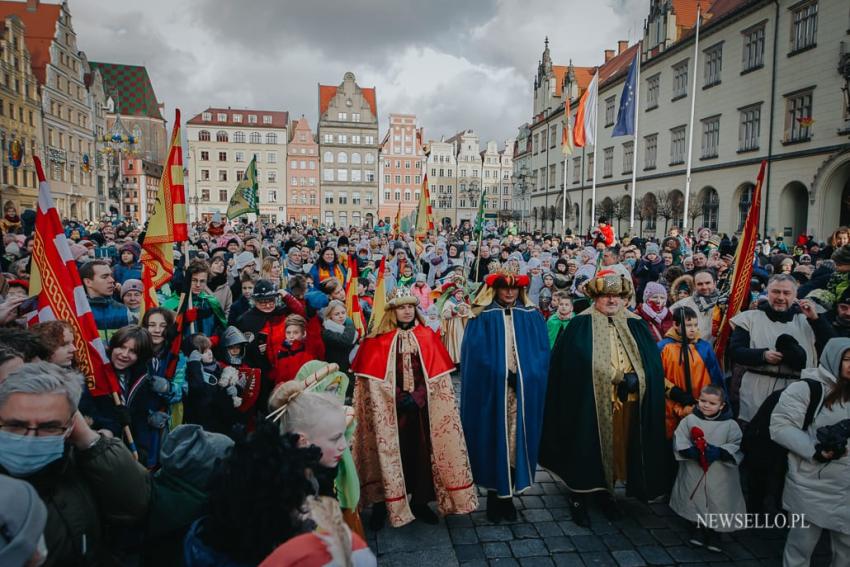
pixel 484 383
pixel 570 446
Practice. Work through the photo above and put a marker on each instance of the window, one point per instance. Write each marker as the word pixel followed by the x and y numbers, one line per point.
pixel 222 156
pixel 237 118
pixel 343 218
pixel 710 209
pixel 342 116
pixel 652 89
pixel 628 156
pixel 328 138
pixel 271 176
pixel 798 116
pixel 370 158
pixel 252 119
pixel 221 117
pixel 680 80
pixel 589 168
pixel 609 111
pixel 576 170
pixel 370 176
pixel 745 201
pixel 417 179
pixel 205 175
pixel 651 151
pixel 713 65
pixel 256 138
pixel 370 140
pixel 355 157
pixel 205 155
pixel 355 198
pixel 267 119
pixel 239 137
pixel 303 164
pixel 397 179
pixel 804 27
pixel 205 195
pixel 271 138
pixel 397 195
pixel 272 196
pixel 329 218
pixel 240 157
pixel 749 129
pixel 222 195
pixel 329 197
pixel 355 117
pixel 386 195
pixel 343 198
pixel 608 162
pixel 221 136
pixel 677 145
pixel 328 174
pixel 328 157
pixel 407 195
pixel 293 181
pixel 343 138
pixel 356 175
pixel 206 116
pixel 341 157
pixel 222 175
pixel 271 157
pixel 342 175
pixel 355 139
pixel 204 136
pixel 753 53
pixel 710 137
pixel 407 179
pixel 312 198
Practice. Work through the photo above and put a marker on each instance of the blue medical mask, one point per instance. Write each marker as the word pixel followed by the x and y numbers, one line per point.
pixel 23 455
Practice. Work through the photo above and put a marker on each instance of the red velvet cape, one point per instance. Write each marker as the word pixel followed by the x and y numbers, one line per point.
pixel 374 354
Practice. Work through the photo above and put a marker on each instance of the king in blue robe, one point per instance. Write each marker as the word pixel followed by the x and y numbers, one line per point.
pixel 505 363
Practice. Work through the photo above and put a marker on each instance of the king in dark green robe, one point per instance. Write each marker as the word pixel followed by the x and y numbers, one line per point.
pixel 580 435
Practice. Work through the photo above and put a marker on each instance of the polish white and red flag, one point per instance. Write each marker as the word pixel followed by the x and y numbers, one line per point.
pixel 55 281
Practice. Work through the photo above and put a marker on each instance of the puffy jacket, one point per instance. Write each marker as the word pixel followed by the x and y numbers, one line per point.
pixel 813 488
pixel 109 315
pixel 123 272
pixel 85 492
pixel 196 553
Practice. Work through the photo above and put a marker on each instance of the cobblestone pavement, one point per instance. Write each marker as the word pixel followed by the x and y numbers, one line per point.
pixel 544 535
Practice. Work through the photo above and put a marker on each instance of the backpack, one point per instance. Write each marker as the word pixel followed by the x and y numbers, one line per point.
pixel 765 460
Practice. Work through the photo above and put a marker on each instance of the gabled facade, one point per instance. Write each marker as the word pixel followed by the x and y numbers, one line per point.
pixel 443 181
pixel 402 161
pixel 467 144
pixel 348 147
pixel 302 175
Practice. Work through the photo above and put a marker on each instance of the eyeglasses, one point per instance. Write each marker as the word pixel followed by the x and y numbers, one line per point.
pixel 22 429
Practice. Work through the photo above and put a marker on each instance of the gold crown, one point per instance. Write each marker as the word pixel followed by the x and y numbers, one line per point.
pixel 401 295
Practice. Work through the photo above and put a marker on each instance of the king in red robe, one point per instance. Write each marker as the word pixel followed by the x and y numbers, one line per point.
pixel 409 441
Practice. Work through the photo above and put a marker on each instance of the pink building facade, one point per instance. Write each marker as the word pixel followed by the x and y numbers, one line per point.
pixel 402 167
pixel 302 174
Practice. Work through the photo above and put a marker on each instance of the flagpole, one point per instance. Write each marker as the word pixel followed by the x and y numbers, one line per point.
pixel 564 200
pixel 691 125
pixel 595 153
pixel 635 143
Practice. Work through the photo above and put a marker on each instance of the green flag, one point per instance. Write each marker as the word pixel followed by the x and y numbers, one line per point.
pixel 479 219
pixel 246 197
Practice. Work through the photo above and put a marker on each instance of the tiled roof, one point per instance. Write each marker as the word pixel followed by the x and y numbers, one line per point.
pixel 327 92
pixel 618 65
pixel 686 12
pixel 279 118
pixel 39 33
pixel 130 88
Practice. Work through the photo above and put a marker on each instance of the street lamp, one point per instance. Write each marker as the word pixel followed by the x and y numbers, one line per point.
pixel 119 143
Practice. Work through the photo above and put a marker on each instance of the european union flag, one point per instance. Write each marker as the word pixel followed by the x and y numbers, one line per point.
pixel 625 125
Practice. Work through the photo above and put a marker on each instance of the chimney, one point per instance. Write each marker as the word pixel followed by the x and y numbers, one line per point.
pixel 32 5
pixel 609 54
pixel 622 45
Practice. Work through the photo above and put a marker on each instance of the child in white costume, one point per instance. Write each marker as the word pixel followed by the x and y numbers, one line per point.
pixel 707 444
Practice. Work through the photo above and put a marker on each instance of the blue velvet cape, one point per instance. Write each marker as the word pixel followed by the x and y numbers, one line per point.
pixel 484 381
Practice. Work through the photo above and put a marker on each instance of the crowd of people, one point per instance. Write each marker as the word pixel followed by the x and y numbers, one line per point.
pixel 292 378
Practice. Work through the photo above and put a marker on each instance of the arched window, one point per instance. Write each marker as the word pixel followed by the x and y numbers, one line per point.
pixel 328 157
pixel 341 157
pixel 576 213
pixel 407 195
pixel 271 138
pixel 239 137
pixel 204 135
pixel 221 136
pixel 397 195
pixel 744 204
pixel 370 158
pixel 710 208
pixel 256 138
pixel 355 219
pixel 355 157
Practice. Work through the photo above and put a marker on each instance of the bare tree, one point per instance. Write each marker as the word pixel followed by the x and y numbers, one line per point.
pixel 695 209
pixel 648 209
pixel 664 207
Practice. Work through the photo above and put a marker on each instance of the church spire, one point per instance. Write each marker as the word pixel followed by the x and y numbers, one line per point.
pixel 547 58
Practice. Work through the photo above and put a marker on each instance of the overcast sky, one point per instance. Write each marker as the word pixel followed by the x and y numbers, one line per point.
pixel 456 64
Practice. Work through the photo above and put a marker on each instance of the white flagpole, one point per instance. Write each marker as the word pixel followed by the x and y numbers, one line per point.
pixel 595 153
pixel 564 200
pixel 691 127
pixel 635 143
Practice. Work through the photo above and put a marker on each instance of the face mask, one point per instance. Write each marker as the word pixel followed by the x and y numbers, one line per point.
pixel 23 455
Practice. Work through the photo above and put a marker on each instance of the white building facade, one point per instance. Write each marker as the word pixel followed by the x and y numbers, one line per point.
pixel 222 142
pixel 773 83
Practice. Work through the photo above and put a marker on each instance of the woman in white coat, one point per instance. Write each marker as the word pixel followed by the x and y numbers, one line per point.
pixel 818 480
